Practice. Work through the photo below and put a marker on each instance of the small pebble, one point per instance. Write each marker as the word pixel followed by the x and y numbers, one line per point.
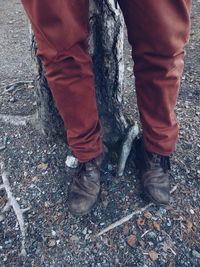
pixel 152 235
pixel 87 236
pixel 53 233
pixel 71 162
pixel 51 243
pixel 44 159
pixel 110 167
pixel 12 99
pixel 196 254
pixel 8 241
pixel 191 211
pixel 2 217
pixel 169 223
pixel 47 204
pixel 84 232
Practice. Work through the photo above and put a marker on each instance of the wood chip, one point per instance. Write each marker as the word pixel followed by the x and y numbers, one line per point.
pixel 140 221
pixel 42 166
pixel 111 243
pixel 132 240
pixel 189 224
pixel 153 255
pixel 147 215
pixel 51 243
pixel 156 225
pixel 34 179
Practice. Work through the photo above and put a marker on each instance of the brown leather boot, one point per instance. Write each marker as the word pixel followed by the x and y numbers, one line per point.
pixel 84 190
pixel 154 176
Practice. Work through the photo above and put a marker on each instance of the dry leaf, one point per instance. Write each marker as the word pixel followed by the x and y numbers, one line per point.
pixel 153 255
pixel 131 240
pixel 34 179
pixel 2 200
pixel 188 223
pixel 42 166
pixel 147 215
pixel 140 222
pixel 156 225
pixel 111 243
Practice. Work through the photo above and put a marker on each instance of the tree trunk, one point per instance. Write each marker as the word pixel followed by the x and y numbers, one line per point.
pixel 106 48
pixel 107 41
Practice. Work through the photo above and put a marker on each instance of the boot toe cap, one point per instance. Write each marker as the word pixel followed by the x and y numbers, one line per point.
pixel 158 195
pixel 80 206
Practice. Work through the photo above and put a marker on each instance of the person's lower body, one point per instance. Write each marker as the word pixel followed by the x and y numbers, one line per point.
pixel 157 31
pixel 61 30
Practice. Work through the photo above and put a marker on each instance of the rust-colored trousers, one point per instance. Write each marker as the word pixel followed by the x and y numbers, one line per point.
pixel 158 30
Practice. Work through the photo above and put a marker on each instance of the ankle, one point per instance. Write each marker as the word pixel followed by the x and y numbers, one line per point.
pixel 163 160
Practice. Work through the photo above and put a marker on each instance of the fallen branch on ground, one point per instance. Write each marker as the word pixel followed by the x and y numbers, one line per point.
pixel 128 217
pixel 18 120
pixel 12 202
pixel 13 86
pixel 146 232
pixel 132 134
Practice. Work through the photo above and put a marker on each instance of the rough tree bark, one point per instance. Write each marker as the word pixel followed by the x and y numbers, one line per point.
pixel 106 48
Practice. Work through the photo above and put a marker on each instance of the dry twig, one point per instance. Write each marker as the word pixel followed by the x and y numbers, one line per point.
pixel 12 202
pixel 18 120
pixel 128 217
pixel 124 219
pixel 13 86
pixel 146 232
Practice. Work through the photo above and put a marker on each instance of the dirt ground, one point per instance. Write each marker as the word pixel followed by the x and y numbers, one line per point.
pixel 35 166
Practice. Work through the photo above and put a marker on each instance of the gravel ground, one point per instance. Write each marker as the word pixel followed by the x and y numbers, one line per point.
pixel 38 177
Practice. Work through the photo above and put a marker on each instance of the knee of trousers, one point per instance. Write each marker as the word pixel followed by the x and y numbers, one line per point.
pixel 165 47
pixel 164 42
pixel 76 53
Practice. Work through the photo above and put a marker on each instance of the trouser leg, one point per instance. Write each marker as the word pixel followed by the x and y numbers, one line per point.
pixel 61 31
pixel 158 32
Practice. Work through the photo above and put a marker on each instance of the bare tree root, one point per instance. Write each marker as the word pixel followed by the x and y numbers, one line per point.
pixel 11 87
pixel 131 135
pixel 12 202
pixel 128 217
pixel 19 120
